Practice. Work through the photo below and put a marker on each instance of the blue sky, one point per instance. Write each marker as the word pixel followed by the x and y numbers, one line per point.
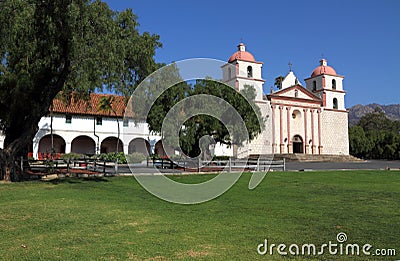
pixel 360 39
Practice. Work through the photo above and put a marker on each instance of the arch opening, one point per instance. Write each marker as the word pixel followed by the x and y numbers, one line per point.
pixel 109 145
pixel 51 148
pixel 83 145
pixel 298 144
pixel 139 145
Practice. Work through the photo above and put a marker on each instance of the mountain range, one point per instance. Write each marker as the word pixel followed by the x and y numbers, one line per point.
pixel 357 111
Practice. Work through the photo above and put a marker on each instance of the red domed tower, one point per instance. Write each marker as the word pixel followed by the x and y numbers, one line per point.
pixel 242 69
pixel 328 85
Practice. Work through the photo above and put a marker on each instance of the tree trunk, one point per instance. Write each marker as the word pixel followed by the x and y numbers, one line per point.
pixel 8 167
pixel 15 147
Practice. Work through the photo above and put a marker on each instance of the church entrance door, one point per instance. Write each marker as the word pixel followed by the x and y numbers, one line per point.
pixel 298 144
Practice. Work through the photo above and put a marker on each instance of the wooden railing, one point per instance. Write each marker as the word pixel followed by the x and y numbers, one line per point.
pixel 220 165
pixel 87 166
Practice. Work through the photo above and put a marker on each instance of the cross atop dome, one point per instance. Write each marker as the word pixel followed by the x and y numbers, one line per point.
pixel 323 62
pixel 323 68
pixel 241 54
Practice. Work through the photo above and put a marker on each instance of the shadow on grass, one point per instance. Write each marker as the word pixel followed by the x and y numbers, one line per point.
pixel 73 180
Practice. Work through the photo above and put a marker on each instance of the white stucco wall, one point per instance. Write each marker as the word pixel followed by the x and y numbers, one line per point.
pixel 328 82
pixel 84 126
pixel 290 80
pixel 330 95
pixel 223 150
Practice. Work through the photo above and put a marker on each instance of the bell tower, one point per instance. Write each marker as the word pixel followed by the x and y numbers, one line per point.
pixel 328 85
pixel 242 69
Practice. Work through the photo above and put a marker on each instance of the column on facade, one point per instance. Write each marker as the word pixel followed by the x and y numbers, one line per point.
pixel 289 142
pixel 273 129
pixel 306 146
pixel 126 147
pixel 67 147
pixel 312 133
pixel 319 133
pixel 281 145
pixel 35 150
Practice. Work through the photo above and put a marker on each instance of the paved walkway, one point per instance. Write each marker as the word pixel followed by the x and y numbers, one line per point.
pixel 369 164
pixel 295 166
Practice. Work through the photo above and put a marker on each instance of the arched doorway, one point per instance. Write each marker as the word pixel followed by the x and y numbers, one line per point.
pixel 46 150
pixel 162 150
pixel 83 145
pixel 297 144
pixel 139 145
pixel 159 149
pixel 110 145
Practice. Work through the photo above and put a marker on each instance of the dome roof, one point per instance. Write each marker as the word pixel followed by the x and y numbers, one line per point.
pixel 323 69
pixel 241 54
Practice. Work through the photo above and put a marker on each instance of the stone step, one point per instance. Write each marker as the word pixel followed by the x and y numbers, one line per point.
pixel 312 158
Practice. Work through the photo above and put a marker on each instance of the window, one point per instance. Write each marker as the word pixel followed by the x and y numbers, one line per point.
pixel 229 73
pixel 314 88
pixel 335 103
pixel 296 114
pixel 68 118
pixel 249 72
pixel 126 123
pixel 334 84
pixel 99 121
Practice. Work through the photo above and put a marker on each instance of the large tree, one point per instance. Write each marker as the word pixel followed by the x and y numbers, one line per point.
pixel 74 46
pixel 202 125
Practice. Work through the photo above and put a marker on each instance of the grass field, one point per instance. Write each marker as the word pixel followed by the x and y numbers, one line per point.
pixel 116 219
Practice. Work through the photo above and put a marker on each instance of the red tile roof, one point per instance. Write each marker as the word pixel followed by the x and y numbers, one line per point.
pixel 90 107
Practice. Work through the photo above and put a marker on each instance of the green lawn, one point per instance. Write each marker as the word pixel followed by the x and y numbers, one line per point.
pixel 116 219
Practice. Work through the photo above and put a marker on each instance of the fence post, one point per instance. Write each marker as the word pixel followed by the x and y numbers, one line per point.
pixel 116 166
pixel 22 165
pixel 68 162
pixel 284 164
pixel 230 164
pixel 198 166
pixel 258 164
pixel 104 167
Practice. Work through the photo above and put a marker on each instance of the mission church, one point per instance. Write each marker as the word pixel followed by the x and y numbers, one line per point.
pixel 303 120
pixel 308 120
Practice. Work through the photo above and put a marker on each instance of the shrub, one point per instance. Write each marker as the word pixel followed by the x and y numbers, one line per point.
pixel 221 158
pixel 72 156
pixel 112 156
pixel 136 157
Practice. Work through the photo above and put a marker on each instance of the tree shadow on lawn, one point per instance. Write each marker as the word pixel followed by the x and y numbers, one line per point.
pixel 74 180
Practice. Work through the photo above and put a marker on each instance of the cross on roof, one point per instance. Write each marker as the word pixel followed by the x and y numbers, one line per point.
pixel 290 66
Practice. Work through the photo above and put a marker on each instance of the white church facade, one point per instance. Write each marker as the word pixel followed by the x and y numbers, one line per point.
pixel 307 120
